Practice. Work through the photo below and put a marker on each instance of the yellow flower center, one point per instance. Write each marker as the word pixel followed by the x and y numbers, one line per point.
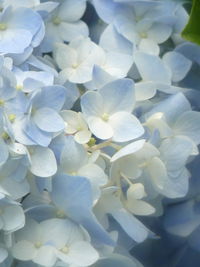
pixel 56 21
pixel 60 214
pixel 73 173
pixel 3 26
pixel 38 244
pixel 75 66
pixel 11 117
pixel 19 87
pixel 105 117
pixel 5 136
pixel 65 249
pixel 143 35
pixel 2 102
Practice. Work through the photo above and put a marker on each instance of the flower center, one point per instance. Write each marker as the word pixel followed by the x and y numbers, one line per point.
pixel 2 102
pixel 105 116
pixel 143 35
pixel 65 249
pixel 11 117
pixel 73 173
pixel 56 20
pixel 60 214
pixel 3 26
pixel 75 66
pixel 38 244
pixel 19 87
pixel 5 136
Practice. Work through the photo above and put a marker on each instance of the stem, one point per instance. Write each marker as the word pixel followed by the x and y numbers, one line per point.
pixel 126 178
pixel 99 146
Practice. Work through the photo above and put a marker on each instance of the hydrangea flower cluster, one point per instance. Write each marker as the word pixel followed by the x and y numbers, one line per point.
pixel 98 121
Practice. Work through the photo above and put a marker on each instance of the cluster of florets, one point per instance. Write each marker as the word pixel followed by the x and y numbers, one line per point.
pixel 95 127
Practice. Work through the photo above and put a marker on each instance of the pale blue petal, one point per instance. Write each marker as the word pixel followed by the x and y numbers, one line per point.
pixel 118 96
pixel 172 107
pixel 178 64
pixel 189 124
pixel 132 226
pixel 149 66
pixel 50 96
pixel 111 40
pixel 38 136
pixel 15 41
pixel 91 104
pixel 73 194
pixel 118 260
pixel 48 120
pixel 181 219
pixel 99 78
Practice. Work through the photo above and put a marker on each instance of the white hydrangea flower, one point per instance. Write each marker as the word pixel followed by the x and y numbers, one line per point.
pixel 134 202
pixel 45 242
pixel 76 125
pixel 64 24
pixel 77 60
pixel 108 112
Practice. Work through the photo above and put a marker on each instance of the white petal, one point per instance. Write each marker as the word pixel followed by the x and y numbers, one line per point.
pixel 100 128
pixel 24 250
pixel 118 64
pixel 159 32
pixel 73 156
pixel 71 119
pixel 144 90
pixel 111 40
pixel 69 31
pixel 125 127
pixel 82 137
pixel 52 232
pixel 94 173
pixel 13 217
pixel 71 10
pixel 45 256
pixel 157 172
pixel 135 192
pixel 65 56
pixel 140 207
pixel 149 46
pixel 80 253
pixel 43 162
pixel 129 149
